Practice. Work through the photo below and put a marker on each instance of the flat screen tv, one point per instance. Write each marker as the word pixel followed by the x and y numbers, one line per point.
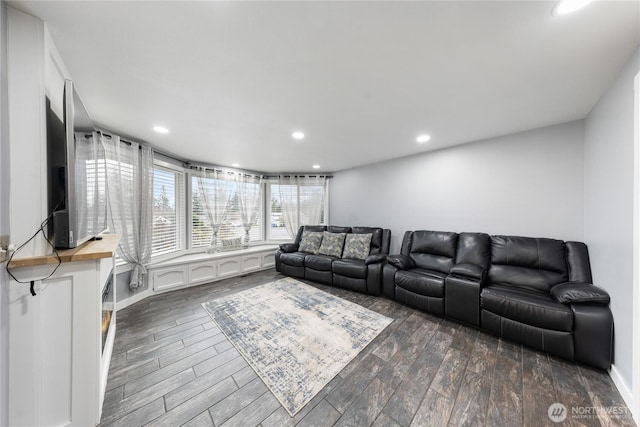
pixel 76 174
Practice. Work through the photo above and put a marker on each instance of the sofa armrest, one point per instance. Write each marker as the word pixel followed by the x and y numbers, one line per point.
pixel 288 247
pixel 468 270
pixel 400 261
pixel 579 292
pixel 374 259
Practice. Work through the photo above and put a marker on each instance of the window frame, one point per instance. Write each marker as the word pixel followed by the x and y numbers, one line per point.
pixel 181 212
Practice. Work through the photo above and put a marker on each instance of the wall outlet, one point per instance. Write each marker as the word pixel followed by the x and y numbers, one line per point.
pixel 4 242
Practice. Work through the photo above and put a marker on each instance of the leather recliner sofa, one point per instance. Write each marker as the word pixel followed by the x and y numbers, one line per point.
pixel 361 275
pixel 535 291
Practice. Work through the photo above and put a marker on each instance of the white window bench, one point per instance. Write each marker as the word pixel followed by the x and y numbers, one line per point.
pixel 195 269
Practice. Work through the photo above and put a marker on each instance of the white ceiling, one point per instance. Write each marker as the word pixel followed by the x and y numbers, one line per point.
pixel 232 80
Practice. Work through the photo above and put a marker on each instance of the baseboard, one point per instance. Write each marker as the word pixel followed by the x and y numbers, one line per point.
pixel 133 299
pixel 625 392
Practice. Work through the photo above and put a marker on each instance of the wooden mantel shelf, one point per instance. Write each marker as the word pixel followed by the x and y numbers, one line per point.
pixel 95 249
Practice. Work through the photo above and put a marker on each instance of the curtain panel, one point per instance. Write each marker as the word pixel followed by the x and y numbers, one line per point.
pixel 130 201
pixel 249 193
pixel 216 190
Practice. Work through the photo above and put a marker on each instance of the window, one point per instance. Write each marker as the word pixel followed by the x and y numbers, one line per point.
pixel 227 203
pixel 168 211
pixel 294 203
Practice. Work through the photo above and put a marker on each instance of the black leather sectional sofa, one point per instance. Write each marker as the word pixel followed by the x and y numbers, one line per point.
pixel 538 292
pixel 362 274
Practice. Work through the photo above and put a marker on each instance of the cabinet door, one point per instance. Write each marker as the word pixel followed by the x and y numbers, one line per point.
pixel 169 278
pixel 268 259
pixel 250 262
pixel 202 272
pixel 229 267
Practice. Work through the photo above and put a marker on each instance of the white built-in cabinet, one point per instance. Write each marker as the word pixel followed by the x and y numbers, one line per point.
pixel 60 340
pixel 196 269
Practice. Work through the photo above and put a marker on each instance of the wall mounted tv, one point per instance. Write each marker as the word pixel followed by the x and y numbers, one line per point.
pixel 76 174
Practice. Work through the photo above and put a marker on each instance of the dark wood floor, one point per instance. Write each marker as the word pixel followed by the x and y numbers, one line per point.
pixel 173 367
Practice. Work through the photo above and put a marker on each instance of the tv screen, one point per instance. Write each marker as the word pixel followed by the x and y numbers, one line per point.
pixel 76 174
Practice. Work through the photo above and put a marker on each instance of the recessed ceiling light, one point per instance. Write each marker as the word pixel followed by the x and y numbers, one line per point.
pixel 423 138
pixel 160 129
pixel 316 166
pixel 565 7
pixel 297 135
pixel 235 165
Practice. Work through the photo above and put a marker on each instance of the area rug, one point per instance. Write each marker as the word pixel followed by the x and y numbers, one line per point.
pixel 296 337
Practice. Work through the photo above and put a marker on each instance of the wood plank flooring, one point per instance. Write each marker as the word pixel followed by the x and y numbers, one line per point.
pixel 172 366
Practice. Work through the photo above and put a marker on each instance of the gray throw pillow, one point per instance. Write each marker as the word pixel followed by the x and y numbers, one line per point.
pixel 357 246
pixel 310 241
pixel 332 244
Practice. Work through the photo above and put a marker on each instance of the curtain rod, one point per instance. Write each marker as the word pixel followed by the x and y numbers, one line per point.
pixel 189 165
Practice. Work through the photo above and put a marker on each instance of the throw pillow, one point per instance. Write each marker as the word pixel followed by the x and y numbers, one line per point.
pixel 310 241
pixel 332 244
pixel 357 246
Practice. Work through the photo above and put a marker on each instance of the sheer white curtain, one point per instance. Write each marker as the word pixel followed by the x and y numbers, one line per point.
pixel 90 183
pixel 130 202
pixel 302 201
pixel 288 192
pixel 216 190
pixel 249 191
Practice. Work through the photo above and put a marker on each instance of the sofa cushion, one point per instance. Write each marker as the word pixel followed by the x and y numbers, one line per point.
pixel 421 281
pixel 357 246
pixel 311 241
pixel 332 244
pixel 319 262
pixel 350 268
pixel 527 306
pixel 433 250
pixel 528 262
pixel 376 237
pixel 294 259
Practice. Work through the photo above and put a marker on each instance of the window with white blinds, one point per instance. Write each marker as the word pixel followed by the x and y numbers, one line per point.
pixel 293 205
pixel 231 228
pixel 168 211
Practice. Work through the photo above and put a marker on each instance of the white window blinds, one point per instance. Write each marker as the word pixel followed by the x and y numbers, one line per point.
pixel 168 211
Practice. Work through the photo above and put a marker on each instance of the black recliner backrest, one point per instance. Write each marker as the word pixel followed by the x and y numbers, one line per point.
pixel 338 229
pixel 528 262
pixel 431 250
pixel 474 248
pixel 380 238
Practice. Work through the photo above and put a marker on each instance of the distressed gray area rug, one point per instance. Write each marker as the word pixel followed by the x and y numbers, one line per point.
pixel 296 337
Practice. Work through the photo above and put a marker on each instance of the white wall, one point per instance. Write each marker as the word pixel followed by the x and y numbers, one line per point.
pixel 27 130
pixel 528 184
pixel 608 212
pixel 4 220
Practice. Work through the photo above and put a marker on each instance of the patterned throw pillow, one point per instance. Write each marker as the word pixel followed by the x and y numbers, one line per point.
pixel 310 241
pixel 357 246
pixel 332 244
